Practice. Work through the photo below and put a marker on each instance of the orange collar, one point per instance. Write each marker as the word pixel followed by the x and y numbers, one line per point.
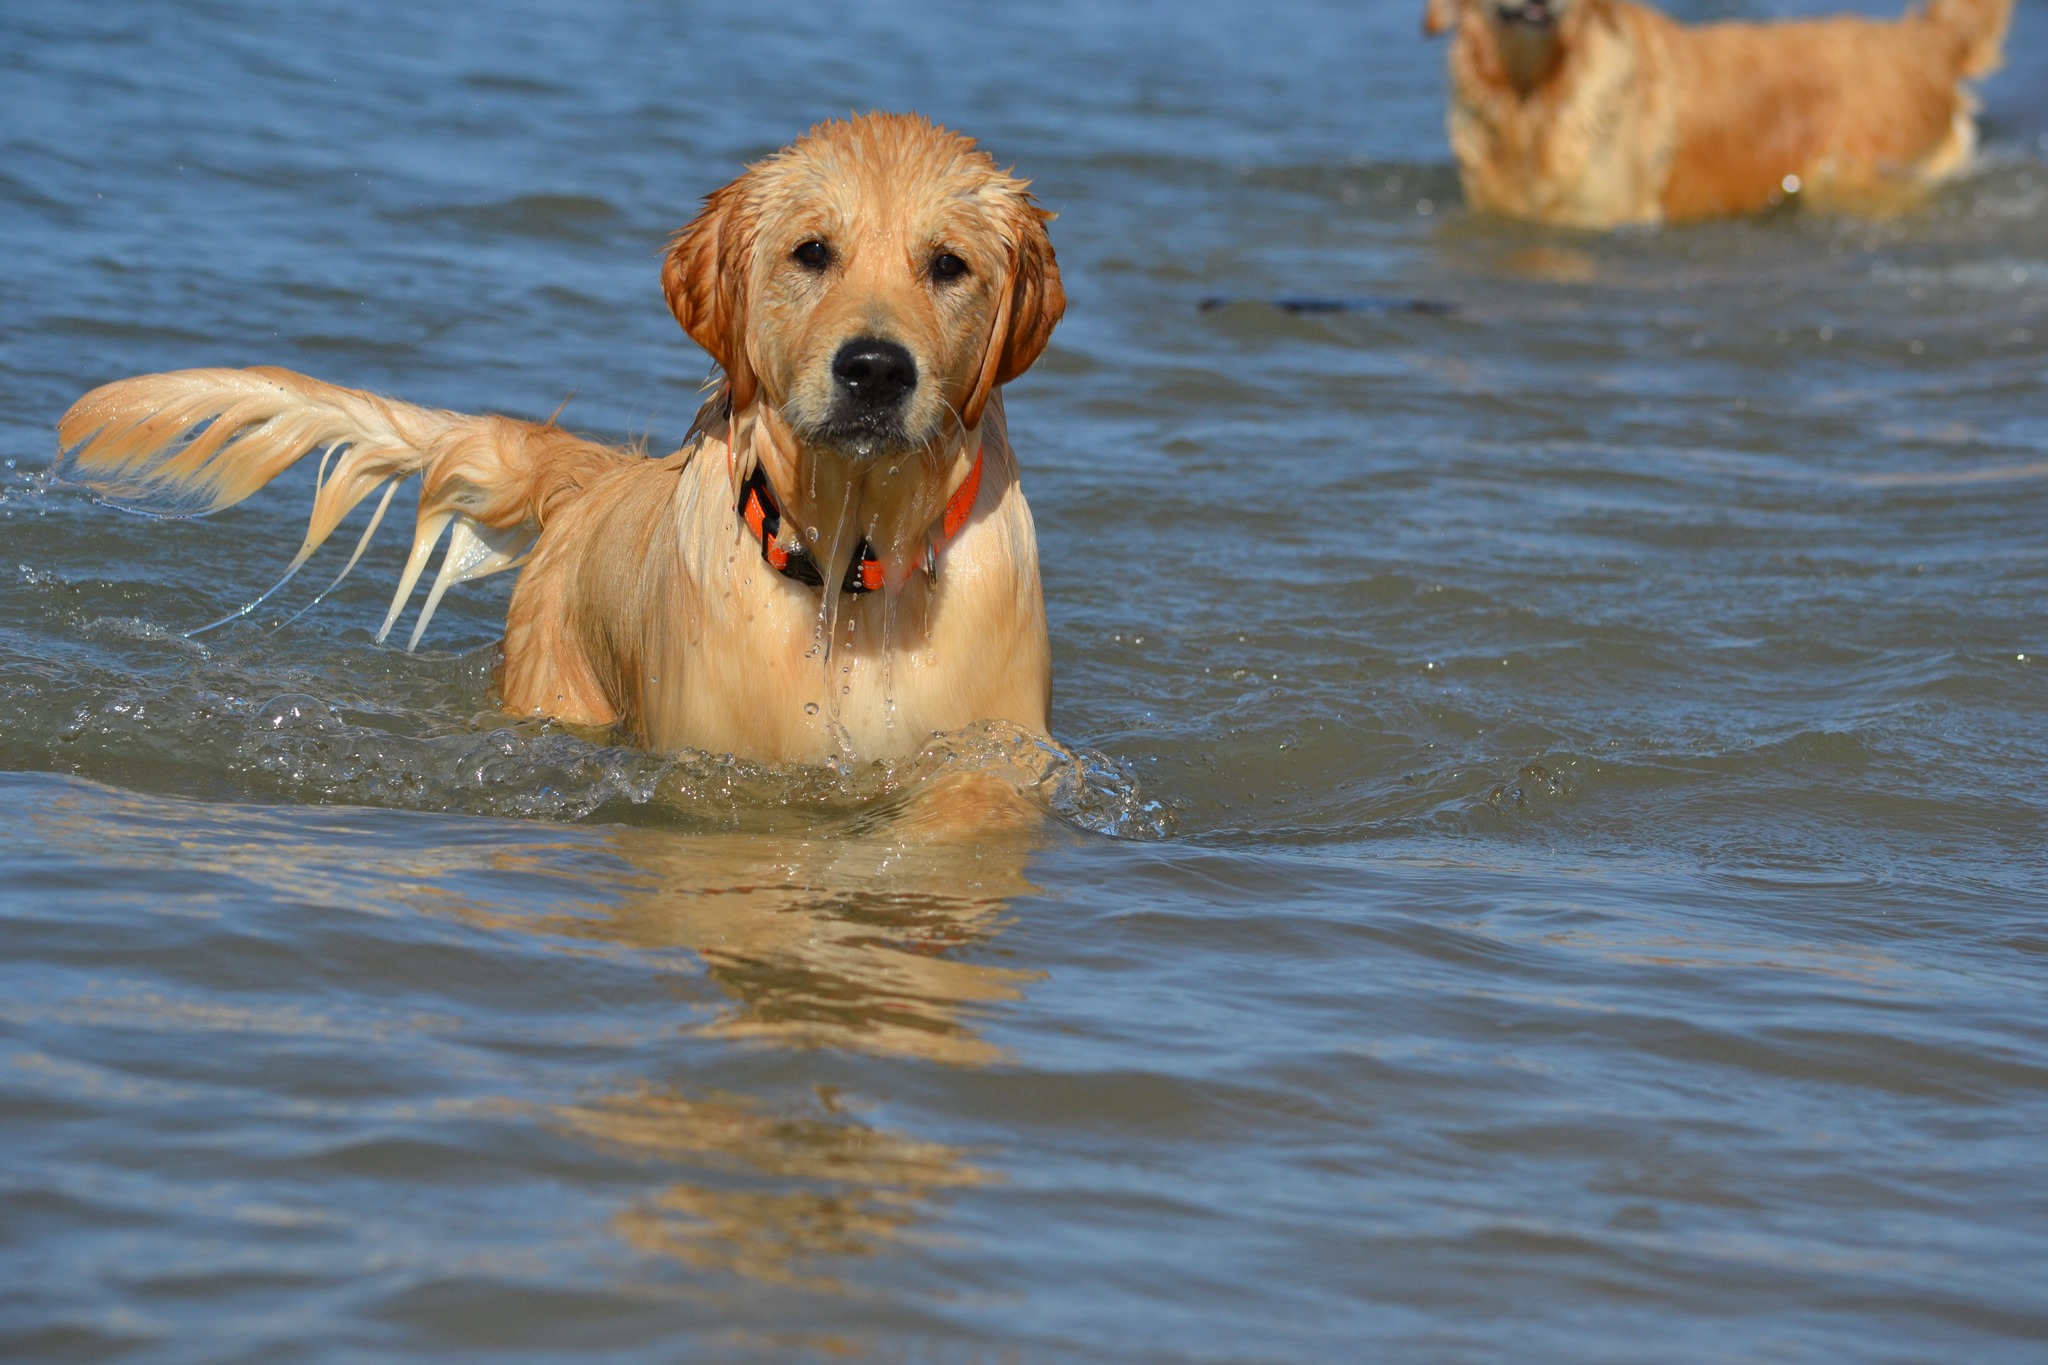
pixel 763 516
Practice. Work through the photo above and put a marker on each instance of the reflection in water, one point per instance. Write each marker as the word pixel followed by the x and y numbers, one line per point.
pixel 1552 264
pixel 841 939
pixel 846 939
pixel 780 1193
pixel 843 933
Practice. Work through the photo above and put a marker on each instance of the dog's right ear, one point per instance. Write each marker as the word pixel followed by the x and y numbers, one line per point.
pixel 705 278
pixel 1439 15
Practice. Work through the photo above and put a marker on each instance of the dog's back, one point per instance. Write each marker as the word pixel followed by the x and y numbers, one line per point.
pixel 1855 114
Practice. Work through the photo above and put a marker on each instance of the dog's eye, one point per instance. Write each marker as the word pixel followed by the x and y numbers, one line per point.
pixel 946 266
pixel 812 255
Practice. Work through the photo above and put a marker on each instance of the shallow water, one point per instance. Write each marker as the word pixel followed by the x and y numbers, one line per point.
pixel 1552 863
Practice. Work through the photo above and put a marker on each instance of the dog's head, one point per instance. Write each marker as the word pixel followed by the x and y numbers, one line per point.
pixel 1519 44
pixel 873 282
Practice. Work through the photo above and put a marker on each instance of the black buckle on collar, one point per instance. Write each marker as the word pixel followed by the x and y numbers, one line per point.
pixel 762 516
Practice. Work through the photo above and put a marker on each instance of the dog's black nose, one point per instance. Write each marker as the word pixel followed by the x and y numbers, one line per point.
pixel 874 372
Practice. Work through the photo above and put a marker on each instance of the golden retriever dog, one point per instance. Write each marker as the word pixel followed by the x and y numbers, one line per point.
pixel 838 564
pixel 1597 113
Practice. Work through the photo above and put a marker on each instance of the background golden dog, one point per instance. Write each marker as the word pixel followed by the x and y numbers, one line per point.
pixel 1595 113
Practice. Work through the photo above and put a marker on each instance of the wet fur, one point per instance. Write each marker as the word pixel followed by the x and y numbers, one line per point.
pixel 1619 115
pixel 644 603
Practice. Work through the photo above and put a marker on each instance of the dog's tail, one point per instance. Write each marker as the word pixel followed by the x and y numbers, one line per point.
pixel 1978 27
pixel 194 441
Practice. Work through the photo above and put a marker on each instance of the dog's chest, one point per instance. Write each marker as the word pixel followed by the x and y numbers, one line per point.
pixel 759 663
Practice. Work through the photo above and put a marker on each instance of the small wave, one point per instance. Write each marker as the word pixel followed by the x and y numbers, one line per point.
pixel 549 217
pixel 2003 275
pixel 299 746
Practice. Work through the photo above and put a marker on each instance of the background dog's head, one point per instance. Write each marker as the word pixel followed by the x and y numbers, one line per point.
pixel 873 282
pixel 1516 44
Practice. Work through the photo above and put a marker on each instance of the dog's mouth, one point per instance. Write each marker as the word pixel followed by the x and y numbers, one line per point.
pixel 860 434
pixel 1534 14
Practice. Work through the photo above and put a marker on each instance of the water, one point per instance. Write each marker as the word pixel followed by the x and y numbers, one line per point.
pixel 1550 858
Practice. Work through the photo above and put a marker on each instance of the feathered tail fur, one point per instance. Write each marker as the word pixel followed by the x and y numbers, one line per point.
pixel 194 441
pixel 1979 27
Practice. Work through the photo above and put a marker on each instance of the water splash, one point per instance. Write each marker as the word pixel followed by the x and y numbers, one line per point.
pixel 300 746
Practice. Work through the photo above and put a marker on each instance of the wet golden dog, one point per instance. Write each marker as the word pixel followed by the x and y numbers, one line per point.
pixel 1596 113
pixel 837 565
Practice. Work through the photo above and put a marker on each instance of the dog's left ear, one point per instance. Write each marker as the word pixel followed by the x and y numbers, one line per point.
pixel 705 279
pixel 1439 15
pixel 1028 308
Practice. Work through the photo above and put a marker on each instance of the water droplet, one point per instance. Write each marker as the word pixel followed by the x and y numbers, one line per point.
pixel 810 708
pixel 811 533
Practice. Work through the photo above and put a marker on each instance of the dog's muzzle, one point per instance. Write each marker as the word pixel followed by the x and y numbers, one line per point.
pixel 873 375
pixel 872 380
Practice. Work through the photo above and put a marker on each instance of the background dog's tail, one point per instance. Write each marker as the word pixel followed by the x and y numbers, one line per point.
pixel 1979 27
pixel 194 441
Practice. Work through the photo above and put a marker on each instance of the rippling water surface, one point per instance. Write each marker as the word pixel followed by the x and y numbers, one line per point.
pixel 1547 859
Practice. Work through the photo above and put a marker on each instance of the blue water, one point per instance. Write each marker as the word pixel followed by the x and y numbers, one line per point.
pixel 1549 864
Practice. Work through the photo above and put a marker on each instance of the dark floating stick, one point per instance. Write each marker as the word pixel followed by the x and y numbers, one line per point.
pixel 1373 304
